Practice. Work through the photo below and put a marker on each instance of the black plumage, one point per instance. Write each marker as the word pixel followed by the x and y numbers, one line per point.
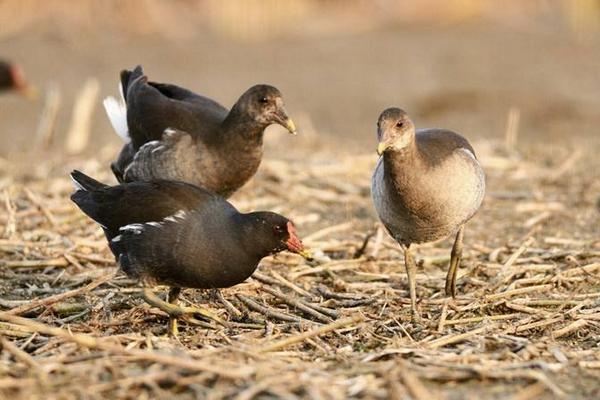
pixel 176 134
pixel 180 235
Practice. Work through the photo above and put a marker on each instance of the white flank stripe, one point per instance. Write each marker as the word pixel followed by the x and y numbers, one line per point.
pixel 135 228
pixel 180 214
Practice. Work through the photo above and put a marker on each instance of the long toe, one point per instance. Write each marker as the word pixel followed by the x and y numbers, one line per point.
pixel 191 312
pixel 173 328
pixel 175 311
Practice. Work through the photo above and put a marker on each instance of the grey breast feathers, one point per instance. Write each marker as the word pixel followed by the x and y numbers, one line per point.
pixel 432 198
pixel 174 157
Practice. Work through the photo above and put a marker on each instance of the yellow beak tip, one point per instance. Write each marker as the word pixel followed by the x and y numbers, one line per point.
pixel 306 254
pixel 290 126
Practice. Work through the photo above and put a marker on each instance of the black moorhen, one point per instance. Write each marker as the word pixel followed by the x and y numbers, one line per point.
pixel 175 134
pixel 425 187
pixel 180 235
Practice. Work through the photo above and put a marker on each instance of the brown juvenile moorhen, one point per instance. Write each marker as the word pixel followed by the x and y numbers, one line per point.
pixel 180 235
pixel 206 144
pixel 425 187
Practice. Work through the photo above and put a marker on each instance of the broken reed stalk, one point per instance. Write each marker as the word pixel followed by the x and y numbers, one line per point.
pixel 545 299
pixel 94 343
pixel 512 129
pixel 61 296
pixel 47 126
pixel 268 311
pixel 342 323
pixel 79 131
pixel 297 304
pixel 456 338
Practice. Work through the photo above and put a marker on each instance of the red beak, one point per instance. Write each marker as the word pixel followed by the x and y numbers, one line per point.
pixel 294 244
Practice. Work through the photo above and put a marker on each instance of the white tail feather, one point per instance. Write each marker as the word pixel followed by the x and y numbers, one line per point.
pixel 117 114
pixel 77 184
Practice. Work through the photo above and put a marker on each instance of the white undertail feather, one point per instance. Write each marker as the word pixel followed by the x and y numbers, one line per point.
pixel 77 184
pixel 117 114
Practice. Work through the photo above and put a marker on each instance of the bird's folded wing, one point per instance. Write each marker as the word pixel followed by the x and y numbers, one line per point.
pixel 152 108
pixel 145 250
pixel 171 158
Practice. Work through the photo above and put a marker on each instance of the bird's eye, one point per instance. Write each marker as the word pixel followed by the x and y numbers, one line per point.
pixel 278 229
pixel 264 100
pixel 399 124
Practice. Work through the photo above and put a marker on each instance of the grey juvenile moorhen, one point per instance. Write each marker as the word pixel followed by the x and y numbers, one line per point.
pixel 425 187
pixel 180 235
pixel 12 78
pixel 176 134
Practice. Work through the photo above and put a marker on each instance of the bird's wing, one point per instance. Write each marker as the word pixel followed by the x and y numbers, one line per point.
pixel 173 157
pixel 152 108
pixel 436 145
pixel 178 93
pixel 197 248
pixel 139 202
pixel 148 250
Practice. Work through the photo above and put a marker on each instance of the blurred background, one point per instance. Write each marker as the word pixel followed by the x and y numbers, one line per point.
pixel 477 67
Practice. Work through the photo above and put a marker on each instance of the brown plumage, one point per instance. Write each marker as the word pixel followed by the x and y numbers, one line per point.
pixel 426 186
pixel 176 134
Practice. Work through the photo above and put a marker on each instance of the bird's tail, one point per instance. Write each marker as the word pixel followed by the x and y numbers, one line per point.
pixel 116 109
pixel 84 182
pixel 128 76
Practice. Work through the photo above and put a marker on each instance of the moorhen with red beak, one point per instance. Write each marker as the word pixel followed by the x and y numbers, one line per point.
pixel 12 78
pixel 183 236
pixel 175 134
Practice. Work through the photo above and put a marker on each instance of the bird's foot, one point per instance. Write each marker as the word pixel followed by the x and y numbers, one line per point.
pixel 180 312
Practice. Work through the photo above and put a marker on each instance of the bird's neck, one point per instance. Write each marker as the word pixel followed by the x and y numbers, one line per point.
pixel 239 127
pixel 255 236
pixel 402 163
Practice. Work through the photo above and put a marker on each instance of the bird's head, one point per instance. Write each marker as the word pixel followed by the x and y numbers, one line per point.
pixel 275 233
pixel 395 130
pixel 264 104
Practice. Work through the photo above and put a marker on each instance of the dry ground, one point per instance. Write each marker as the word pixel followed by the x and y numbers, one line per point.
pixel 526 323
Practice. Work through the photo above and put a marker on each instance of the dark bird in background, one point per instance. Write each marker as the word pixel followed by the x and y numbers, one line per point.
pixel 426 186
pixel 179 235
pixel 13 79
pixel 175 134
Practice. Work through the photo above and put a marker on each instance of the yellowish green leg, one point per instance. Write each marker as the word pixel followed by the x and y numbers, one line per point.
pixel 176 311
pixel 411 270
pixel 455 257
pixel 172 298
